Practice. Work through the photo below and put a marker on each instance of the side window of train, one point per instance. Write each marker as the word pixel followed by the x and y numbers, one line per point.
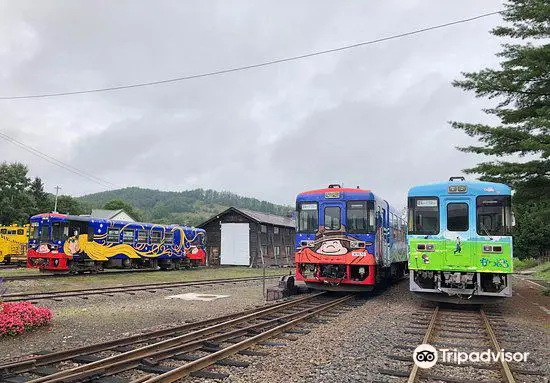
pixel 142 236
pixel 20 231
pixel 156 236
pixel 3 231
pixel 113 235
pixel 128 236
pixel 169 238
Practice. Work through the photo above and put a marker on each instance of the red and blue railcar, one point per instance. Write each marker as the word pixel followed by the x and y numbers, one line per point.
pixel 348 239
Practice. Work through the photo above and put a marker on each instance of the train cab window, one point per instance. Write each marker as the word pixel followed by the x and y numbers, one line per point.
pixel 60 231
pixel 308 217
pixel 128 236
pixel 34 234
pixel 457 217
pixel 423 215
pixel 45 233
pixel 168 238
pixel 493 215
pixel 20 232
pixel 142 236
pixel 360 217
pixel 113 236
pixel 156 236
pixel 332 218
pixel 12 232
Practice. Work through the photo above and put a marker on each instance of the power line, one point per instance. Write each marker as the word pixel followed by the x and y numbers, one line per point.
pixel 253 66
pixel 57 162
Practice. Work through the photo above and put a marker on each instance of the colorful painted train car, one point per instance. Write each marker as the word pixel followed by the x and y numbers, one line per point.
pixel 13 244
pixel 459 239
pixel 67 243
pixel 348 239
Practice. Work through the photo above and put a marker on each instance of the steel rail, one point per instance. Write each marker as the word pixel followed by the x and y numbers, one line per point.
pixel 427 336
pixel 199 364
pixel 122 289
pixel 148 350
pixel 26 365
pixel 505 368
pixel 506 373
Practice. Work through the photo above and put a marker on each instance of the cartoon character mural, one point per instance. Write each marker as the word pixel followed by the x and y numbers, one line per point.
pixel 335 243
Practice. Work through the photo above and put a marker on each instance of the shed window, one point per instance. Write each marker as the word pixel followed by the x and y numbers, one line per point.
pixel 277 251
pixel 288 250
pixel 275 230
pixel 113 236
pixel 263 228
pixel 457 217
pixel 128 236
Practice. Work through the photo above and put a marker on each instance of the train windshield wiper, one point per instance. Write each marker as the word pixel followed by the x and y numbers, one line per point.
pixel 485 230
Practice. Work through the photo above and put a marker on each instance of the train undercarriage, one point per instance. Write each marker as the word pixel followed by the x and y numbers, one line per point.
pixel 460 286
pixel 346 277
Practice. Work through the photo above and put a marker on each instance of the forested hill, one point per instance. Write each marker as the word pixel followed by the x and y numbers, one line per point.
pixel 186 207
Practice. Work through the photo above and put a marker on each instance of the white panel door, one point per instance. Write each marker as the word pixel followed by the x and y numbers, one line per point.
pixel 235 246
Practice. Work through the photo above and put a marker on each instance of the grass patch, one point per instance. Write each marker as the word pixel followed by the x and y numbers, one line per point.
pixel 542 272
pixel 523 264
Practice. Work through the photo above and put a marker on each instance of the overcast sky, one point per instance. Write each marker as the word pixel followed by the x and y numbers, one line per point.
pixel 375 116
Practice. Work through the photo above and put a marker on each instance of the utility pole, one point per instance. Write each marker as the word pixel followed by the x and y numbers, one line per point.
pixel 56 194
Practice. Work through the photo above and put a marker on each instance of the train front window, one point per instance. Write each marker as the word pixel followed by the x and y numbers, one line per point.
pixel 308 217
pixel 457 217
pixel 34 230
pixel 360 217
pixel 60 231
pixel 493 215
pixel 332 218
pixel 45 232
pixel 423 215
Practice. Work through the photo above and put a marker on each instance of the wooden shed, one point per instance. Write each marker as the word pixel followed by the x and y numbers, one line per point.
pixel 249 238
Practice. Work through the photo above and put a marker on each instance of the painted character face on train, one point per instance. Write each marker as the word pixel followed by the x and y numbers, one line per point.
pixel 332 247
pixel 73 245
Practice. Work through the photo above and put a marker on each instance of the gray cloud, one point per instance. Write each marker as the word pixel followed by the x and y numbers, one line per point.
pixel 376 116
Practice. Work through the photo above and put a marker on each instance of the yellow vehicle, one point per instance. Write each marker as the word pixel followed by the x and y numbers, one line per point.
pixel 13 244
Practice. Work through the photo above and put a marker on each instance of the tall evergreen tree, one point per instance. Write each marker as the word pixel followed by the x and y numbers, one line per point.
pixel 521 87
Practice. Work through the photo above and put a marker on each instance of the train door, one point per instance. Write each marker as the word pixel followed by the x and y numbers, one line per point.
pixel 458 244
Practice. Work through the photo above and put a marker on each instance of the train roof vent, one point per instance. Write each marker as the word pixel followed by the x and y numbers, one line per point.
pixel 334 186
pixel 457 178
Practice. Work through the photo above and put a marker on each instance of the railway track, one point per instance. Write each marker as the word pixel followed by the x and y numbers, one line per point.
pixel 172 354
pixel 127 289
pixel 67 275
pixel 464 330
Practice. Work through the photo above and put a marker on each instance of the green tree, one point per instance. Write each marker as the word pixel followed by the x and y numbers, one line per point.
pixel 16 202
pixel 520 143
pixel 69 205
pixel 43 201
pixel 117 204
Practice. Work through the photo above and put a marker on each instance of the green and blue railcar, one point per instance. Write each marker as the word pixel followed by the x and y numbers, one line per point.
pixel 459 241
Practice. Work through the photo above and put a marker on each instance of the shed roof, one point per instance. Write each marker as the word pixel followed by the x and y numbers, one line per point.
pixel 256 216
